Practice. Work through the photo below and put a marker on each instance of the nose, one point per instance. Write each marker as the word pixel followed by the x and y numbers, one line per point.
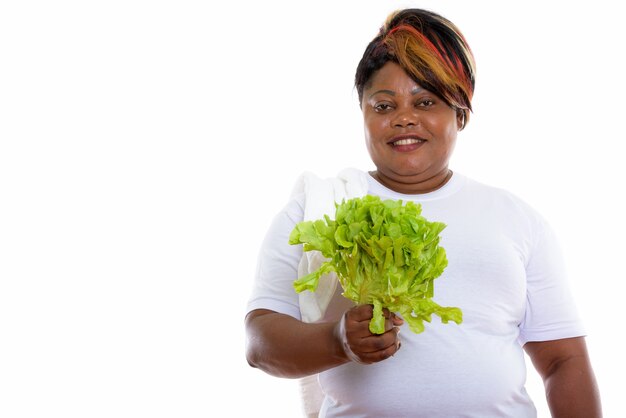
pixel 405 117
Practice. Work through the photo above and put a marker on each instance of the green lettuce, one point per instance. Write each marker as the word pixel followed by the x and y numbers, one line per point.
pixel 385 253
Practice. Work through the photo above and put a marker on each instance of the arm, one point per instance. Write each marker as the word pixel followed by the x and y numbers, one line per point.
pixel 286 347
pixel 570 385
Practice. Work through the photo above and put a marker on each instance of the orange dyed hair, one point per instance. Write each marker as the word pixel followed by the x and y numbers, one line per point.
pixel 432 51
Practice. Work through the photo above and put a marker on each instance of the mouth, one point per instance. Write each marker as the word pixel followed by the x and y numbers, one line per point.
pixel 406 143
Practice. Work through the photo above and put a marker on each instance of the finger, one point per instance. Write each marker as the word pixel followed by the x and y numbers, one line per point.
pixel 374 343
pixel 387 314
pixel 358 330
pixel 397 320
pixel 391 323
pixel 366 312
pixel 380 355
pixel 357 322
pixel 391 319
pixel 360 313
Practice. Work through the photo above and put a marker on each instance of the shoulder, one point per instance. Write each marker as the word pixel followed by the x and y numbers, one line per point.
pixel 505 205
pixel 348 178
pixel 318 195
pixel 500 195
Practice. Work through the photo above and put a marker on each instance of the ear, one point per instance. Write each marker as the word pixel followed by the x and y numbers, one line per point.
pixel 462 117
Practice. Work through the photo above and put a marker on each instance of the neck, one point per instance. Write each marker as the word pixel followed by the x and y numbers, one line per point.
pixel 412 185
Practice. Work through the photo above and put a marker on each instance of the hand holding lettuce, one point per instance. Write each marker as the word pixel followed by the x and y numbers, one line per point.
pixel 385 253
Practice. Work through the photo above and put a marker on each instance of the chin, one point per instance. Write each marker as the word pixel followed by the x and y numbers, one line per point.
pixel 407 171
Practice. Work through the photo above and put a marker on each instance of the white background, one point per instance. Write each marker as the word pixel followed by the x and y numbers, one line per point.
pixel 146 145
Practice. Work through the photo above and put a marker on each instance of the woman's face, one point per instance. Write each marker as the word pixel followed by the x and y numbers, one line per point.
pixel 410 132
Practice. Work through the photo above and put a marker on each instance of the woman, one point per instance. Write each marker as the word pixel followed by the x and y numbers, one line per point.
pixel 415 84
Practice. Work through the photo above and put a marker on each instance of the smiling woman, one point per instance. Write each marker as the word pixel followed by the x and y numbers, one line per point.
pixel 410 132
pixel 415 83
pixel 146 146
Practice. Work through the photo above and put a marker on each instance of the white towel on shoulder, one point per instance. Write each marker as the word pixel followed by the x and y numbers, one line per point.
pixel 320 198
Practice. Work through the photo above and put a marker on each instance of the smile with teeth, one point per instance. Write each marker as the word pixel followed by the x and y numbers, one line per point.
pixel 407 141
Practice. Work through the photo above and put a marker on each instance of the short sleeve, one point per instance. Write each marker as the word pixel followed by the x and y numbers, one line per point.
pixel 277 265
pixel 550 313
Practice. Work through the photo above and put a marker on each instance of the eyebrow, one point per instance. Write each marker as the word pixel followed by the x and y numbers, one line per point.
pixel 393 93
pixel 389 92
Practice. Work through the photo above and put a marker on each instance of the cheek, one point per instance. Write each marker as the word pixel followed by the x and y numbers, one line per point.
pixel 370 143
pixel 373 128
pixel 368 131
pixel 373 143
pixel 448 141
pixel 445 128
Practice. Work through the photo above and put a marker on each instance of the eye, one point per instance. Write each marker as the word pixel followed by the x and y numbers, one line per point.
pixel 382 107
pixel 426 102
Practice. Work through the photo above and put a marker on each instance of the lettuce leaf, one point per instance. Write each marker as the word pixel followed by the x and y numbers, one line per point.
pixel 385 253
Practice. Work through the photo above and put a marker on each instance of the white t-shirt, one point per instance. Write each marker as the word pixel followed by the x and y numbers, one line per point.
pixel 504 271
